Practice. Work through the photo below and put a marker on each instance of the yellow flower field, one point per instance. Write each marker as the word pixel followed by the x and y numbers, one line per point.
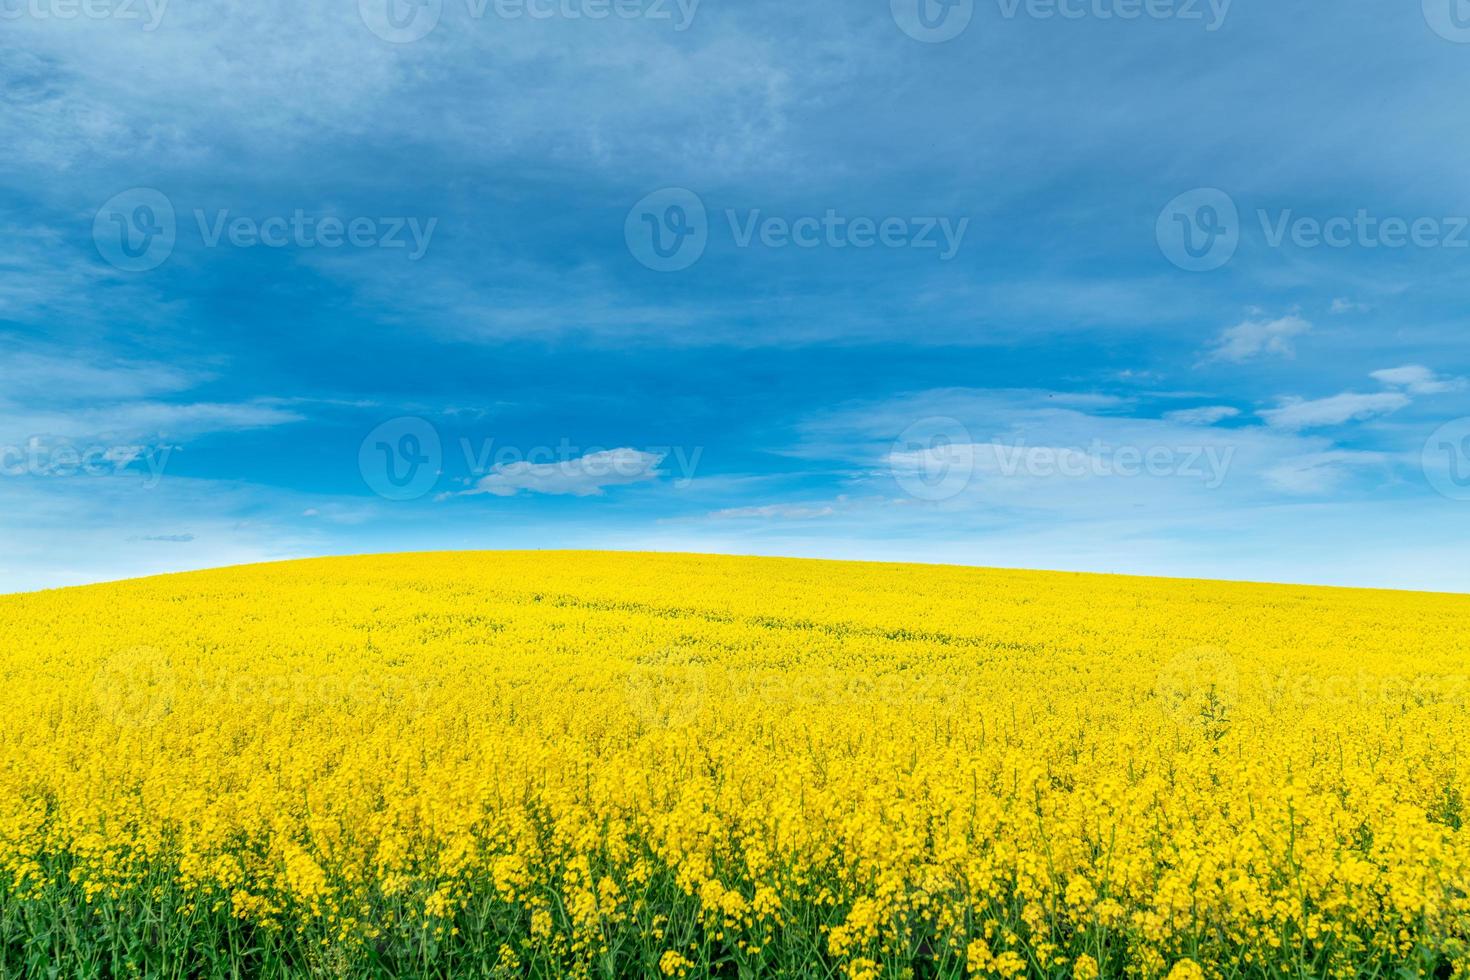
pixel 548 764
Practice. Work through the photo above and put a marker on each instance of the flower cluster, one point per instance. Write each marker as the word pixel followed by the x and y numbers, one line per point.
pixel 659 765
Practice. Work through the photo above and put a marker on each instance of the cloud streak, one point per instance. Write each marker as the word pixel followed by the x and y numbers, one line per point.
pixel 1299 413
pixel 585 476
pixel 1251 339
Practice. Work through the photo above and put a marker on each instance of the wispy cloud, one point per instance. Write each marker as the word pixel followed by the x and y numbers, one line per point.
pixel 585 476
pixel 1349 406
pixel 52 377
pixel 1204 415
pixel 147 420
pixel 1073 456
pixel 1418 380
pixel 783 512
pixel 1254 338
pixel 1316 473
pixel 46 396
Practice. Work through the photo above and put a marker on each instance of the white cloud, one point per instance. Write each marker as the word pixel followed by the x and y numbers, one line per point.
pixel 1417 379
pixel 141 421
pixel 67 531
pixel 50 400
pixel 1319 472
pixel 1022 461
pixel 1252 338
pixel 47 279
pixel 1297 413
pixel 726 98
pixel 1340 306
pixel 36 376
pixel 585 476
pixel 1317 508
pixel 1204 415
pixel 788 512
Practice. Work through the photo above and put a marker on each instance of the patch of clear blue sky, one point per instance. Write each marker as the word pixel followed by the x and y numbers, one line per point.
pixel 785 379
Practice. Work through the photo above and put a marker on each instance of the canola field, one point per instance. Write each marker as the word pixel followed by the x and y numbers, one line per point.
pixel 629 765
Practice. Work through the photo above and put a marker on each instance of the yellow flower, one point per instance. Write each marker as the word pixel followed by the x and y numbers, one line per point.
pixel 1186 969
pixel 677 758
pixel 673 964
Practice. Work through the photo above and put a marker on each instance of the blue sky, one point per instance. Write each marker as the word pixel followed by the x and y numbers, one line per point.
pixel 1168 288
